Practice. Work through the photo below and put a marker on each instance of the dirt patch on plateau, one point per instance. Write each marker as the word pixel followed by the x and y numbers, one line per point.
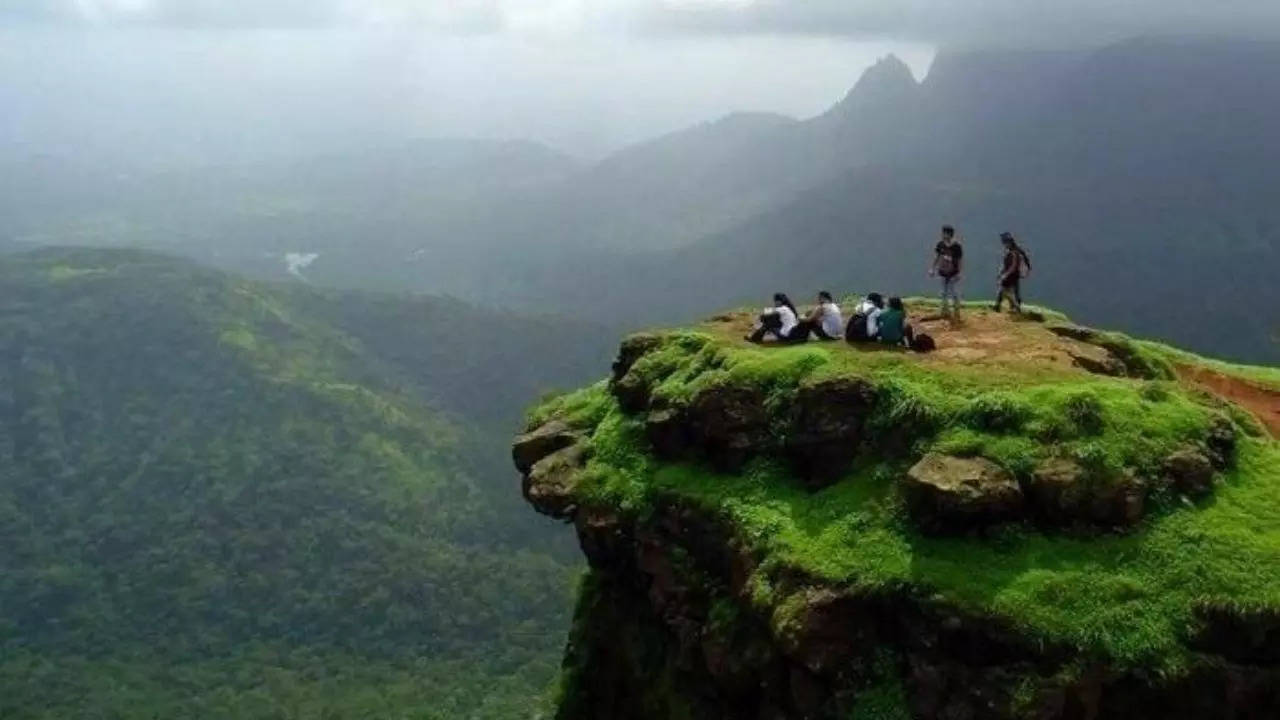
pixel 984 338
pixel 1262 402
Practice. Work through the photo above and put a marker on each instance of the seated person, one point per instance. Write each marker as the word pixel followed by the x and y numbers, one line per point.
pixel 892 327
pixel 779 321
pixel 863 326
pixel 825 321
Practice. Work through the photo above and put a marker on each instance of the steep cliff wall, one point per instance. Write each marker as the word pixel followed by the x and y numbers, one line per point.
pixel 1037 521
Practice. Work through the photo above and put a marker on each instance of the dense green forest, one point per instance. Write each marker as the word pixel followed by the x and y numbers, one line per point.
pixel 222 498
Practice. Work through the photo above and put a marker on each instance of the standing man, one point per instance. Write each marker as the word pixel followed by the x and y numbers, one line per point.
pixel 948 256
pixel 1015 266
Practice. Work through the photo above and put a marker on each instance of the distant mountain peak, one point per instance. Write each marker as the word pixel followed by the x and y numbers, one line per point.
pixel 889 78
pixel 889 73
pixel 884 84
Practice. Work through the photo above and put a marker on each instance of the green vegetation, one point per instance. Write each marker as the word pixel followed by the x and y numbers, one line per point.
pixel 1130 597
pixel 885 699
pixel 220 498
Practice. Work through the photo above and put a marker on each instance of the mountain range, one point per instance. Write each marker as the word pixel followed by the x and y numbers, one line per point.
pixel 1140 175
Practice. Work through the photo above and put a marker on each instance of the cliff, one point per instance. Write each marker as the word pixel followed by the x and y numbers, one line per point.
pixel 1038 520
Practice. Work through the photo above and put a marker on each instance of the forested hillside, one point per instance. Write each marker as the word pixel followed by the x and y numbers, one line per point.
pixel 220 498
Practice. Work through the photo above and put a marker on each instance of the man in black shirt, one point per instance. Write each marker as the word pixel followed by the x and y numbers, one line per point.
pixel 947 258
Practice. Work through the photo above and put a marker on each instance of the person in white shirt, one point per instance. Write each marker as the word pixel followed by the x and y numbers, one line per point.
pixel 779 321
pixel 867 313
pixel 825 321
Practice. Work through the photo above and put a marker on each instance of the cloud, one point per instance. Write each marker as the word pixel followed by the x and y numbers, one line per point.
pixel 187 13
pixel 448 16
pixel 1006 22
pixel 959 21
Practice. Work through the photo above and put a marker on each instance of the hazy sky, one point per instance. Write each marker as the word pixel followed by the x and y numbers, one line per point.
pixel 237 78
pixel 918 20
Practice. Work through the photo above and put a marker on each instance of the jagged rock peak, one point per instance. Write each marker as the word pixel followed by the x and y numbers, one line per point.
pixel 889 75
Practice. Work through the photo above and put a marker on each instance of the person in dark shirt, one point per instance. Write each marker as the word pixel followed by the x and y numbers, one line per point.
pixel 948 257
pixel 1015 266
pixel 892 327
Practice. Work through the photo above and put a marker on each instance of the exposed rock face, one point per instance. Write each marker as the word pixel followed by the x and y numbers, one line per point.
pixel 536 444
pixel 1062 493
pixel 667 628
pixel 729 425
pixel 950 493
pixel 552 481
pixel 551 458
pixel 827 426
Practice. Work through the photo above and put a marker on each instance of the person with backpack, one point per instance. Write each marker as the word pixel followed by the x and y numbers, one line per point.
pixel 1015 266
pixel 892 327
pixel 948 256
pixel 862 326
pixel 824 322
pixel 779 321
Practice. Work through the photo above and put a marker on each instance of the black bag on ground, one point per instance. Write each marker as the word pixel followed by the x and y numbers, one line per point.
pixel 923 343
pixel 856 330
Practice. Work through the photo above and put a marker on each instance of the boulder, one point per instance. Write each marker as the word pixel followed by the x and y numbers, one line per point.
pixel 632 389
pixel 1075 332
pixel 632 392
pixel 1118 348
pixel 946 493
pixel 632 349
pixel 826 425
pixel 1097 361
pixel 1064 493
pixel 532 446
pixel 552 483
pixel 1190 472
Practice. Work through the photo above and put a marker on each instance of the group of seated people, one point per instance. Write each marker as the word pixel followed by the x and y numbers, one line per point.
pixel 872 321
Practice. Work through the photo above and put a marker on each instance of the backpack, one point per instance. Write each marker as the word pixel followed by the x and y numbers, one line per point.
pixel 1024 263
pixel 856 330
pixel 924 343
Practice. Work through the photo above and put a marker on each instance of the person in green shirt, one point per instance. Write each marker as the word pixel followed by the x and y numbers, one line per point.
pixel 893 328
